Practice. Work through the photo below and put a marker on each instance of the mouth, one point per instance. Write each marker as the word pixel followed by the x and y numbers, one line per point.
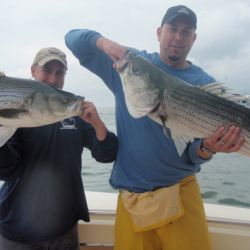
pixel 76 107
pixel 176 46
pixel 80 98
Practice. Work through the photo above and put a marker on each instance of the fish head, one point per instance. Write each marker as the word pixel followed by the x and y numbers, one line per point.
pixel 55 105
pixel 65 103
pixel 139 85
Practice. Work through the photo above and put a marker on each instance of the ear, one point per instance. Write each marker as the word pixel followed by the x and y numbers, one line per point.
pixel 159 33
pixel 195 36
pixel 33 70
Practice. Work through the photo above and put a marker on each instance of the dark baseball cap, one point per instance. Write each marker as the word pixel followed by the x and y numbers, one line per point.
pixel 177 11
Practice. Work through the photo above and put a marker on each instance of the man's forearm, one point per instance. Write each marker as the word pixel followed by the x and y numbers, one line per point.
pixel 106 150
pixel 114 50
pixel 101 131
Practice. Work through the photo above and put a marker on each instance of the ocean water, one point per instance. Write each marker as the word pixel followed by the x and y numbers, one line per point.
pixel 223 180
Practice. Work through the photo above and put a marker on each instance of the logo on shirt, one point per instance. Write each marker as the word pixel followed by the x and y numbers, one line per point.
pixel 68 123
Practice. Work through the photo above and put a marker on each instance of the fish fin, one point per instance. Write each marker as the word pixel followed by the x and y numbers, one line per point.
pixel 181 142
pixel 215 88
pixel 5 134
pixel 166 131
pixel 221 90
pixel 11 113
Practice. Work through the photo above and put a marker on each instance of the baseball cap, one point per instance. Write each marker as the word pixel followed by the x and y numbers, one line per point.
pixel 179 10
pixel 48 54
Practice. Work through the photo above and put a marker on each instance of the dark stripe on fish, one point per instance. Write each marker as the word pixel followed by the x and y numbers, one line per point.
pixel 11 113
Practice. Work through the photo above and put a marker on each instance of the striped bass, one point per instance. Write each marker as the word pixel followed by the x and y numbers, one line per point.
pixel 188 111
pixel 29 103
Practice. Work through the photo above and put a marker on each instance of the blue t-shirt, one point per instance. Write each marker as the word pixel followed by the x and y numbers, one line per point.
pixel 146 158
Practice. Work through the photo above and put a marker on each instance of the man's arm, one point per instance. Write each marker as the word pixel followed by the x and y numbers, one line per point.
pixel 106 150
pixel 104 147
pixel 99 60
pixel 83 42
pixel 114 50
pixel 91 116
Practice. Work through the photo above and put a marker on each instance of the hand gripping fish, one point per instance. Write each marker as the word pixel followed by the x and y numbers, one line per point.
pixel 188 111
pixel 29 103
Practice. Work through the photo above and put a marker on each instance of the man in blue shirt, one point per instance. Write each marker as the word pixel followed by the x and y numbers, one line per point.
pixel 159 203
pixel 43 197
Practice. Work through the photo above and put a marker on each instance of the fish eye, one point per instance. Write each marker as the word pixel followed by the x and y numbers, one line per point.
pixel 136 70
pixel 65 99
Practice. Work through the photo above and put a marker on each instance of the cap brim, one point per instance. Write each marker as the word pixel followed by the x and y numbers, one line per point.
pixel 51 58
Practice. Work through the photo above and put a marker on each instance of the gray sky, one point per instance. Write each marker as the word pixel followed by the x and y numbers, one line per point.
pixel 222 47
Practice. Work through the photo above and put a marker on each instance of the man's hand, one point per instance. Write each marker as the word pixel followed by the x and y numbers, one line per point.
pixel 114 50
pixel 226 141
pixel 91 116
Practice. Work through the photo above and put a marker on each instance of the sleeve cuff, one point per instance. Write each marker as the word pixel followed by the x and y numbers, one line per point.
pixel 193 153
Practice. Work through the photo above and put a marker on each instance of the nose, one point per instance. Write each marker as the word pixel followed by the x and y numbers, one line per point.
pixel 179 35
pixel 52 79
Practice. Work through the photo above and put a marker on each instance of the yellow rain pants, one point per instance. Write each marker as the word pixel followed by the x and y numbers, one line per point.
pixel 179 225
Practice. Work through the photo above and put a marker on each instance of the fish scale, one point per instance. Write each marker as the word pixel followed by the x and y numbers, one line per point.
pixel 10 97
pixel 188 111
pixel 14 90
pixel 201 105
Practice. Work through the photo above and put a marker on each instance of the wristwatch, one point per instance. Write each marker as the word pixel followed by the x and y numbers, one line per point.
pixel 209 152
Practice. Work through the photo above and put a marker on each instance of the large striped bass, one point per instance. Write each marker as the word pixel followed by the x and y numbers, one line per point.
pixel 189 112
pixel 29 103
